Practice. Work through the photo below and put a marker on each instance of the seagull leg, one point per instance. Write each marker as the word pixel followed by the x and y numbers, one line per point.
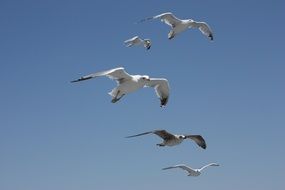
pixel 160 144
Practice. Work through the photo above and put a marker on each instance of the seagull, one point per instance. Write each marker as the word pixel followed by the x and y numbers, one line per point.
pixel 191 171
pixel 178 25
pixel 129 83
pixel 138 41
pixel 172 140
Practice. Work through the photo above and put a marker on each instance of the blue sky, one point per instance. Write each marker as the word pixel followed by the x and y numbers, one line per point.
pixel 58 135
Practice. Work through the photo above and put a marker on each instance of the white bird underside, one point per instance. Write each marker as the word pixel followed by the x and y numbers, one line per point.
pixel 172 140
pixel 177 25
pixel 129 83
pixel 191 171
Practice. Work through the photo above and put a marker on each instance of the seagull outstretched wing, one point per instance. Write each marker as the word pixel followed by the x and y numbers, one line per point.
pixel 205 29
pixel 132 41
pixel 161 133
pixel 168 18
pixel 161 87
pixel 118 74
pixel 211 164
pixel 183 167
pixel 199 140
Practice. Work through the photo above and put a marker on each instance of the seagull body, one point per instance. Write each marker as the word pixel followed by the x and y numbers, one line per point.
pixel 191 171
pixel 129 83
pixel 172 139
pixel 138 41
pixel 178 25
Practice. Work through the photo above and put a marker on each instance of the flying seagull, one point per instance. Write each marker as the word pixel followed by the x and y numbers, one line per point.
pixel 172 140
pixel 191 171
pixel 138 41
pixel 178 25
pixel 129 83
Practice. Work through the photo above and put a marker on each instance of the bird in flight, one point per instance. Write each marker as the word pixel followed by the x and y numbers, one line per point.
pixel 129 83
pixel 138 41
pixel 172 139
pixel 178 25
pixel 189 170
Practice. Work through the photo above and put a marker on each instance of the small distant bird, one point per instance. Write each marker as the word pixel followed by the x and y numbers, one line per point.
pixel 191 171
pixel 129 83
pixel 172 140
pixel 138 41
pixel 178 25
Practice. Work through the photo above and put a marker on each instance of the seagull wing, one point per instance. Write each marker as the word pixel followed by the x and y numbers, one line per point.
pixel 149 132
pixel 161 133
pixel 199 140
pixel 118 74
pixel 211 164
pixel 168 18
pixel 161 87
pixel 205 29
pixel 182 166
pixel 133 40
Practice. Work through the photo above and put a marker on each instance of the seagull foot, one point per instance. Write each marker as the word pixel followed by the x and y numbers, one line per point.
pixel 160 145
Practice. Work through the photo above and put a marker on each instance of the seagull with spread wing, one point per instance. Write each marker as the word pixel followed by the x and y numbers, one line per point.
pixel 129 83
pixel 172 140
pixel 178 25
pixel 191 171
pixel 138 41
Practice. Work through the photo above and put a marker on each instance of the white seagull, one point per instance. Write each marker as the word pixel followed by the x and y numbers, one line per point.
pixel 178 25
pixel 172 140
pixel 129 83
pixel 191 171
pixel 138 41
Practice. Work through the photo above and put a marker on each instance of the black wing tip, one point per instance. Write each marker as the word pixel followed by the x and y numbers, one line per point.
pixel 81 79
pixel 143 20
pixel 163 102
pixel 130 136
pixel 204 146
pixel 75 81
pixel 211 37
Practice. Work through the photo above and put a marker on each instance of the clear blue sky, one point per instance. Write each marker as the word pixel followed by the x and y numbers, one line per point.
pixel 62 136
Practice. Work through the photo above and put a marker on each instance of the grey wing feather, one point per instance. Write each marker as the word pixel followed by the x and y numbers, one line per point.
pixel 118 73
pixel 140 134
pixel 132 40
pixel 206 30
pixel 182 166
pixel 163 134
pixel 169 19
pixel 199 140
pixel 161 87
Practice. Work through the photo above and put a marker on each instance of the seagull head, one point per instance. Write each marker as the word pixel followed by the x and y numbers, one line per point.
pixel 145 78
pixel 147 43
pixel 181 137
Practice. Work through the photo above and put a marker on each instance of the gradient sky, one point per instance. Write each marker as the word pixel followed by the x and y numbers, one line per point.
pixel 62 136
